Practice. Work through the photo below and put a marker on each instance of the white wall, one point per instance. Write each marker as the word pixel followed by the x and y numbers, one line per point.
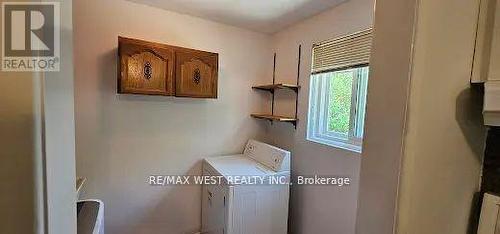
pixel 385 115
pixel 317 209
pixel 445 136
pixel 122 139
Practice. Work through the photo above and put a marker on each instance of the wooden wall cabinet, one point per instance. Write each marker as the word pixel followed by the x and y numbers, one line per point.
pixel 145 68
pixel 196 74
pixel 158 69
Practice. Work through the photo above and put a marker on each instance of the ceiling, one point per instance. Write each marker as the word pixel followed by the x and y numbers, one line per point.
pixel 267 16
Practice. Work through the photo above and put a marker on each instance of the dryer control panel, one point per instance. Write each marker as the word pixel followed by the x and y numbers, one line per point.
pixel 270 156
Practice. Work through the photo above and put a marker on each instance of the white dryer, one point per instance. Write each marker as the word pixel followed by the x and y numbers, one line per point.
pixel 247 207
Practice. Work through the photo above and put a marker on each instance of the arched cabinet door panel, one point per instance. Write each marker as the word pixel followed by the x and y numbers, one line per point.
pixel 159 69
pixel 196 74
pixel 145 68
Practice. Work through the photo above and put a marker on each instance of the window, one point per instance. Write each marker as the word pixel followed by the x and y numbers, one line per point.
pixel 338 86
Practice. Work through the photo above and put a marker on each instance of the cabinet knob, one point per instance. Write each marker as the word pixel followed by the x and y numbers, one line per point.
pixel 197 76
pixel 148 70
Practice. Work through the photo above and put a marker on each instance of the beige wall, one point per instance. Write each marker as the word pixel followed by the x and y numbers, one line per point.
pixel 445 137
pixel 122 139
pixel 20 131
pixel 19 167
pixel 317 209
pixel 385 115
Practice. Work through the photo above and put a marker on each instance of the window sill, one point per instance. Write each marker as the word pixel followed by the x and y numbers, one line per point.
pixel 337 144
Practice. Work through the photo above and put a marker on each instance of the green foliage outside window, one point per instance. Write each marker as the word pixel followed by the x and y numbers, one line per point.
pixel 339 109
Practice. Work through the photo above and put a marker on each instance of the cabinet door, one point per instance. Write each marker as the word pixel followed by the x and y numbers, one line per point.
pixel 213 209
pixel 484 37
pixel 145 68
pixel 196 74
pixel 494 63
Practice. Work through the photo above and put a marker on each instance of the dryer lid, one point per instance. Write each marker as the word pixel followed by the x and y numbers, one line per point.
pixel 238 165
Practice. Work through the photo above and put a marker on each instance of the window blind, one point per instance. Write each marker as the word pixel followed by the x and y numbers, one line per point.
pixel 343 52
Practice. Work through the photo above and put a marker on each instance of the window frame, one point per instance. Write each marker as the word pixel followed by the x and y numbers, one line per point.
pixel 319 97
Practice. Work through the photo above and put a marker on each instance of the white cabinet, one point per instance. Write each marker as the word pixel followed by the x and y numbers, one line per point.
pixel 484 38
pixel 493 12
pixel 489 220
pixel 486 65
pixel 214 210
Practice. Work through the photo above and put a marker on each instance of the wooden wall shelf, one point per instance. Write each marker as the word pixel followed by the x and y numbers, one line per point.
pixel 273 87
pixel 275 118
